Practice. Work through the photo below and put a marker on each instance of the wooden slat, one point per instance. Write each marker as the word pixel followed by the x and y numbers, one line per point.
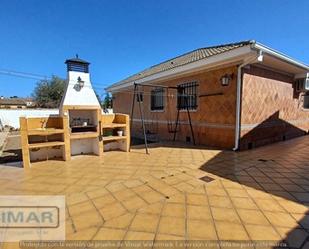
pixel 111 138
pixel 46 144
pixel 113 125
pixel 47 131
pixel 84 135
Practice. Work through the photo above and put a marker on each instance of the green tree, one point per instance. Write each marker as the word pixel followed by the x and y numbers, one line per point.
pixel 107 101
pixel 48 93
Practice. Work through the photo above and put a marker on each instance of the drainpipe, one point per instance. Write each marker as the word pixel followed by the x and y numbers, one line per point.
pixel 256 58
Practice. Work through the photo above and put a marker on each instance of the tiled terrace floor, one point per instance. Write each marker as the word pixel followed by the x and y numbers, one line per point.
pixel 261 194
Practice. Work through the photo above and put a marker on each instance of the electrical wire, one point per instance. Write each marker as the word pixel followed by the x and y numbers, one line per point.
pixel 27 75
pixel 35 76
pixel 23 74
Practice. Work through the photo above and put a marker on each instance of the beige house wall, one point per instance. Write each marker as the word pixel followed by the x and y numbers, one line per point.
pixel 271 108
pixel 213 120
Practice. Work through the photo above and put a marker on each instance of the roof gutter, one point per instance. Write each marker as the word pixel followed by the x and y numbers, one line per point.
pixel 250 60
pixel 277 54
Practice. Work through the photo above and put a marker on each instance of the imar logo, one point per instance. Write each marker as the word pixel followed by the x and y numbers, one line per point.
pixel 29 217
pixel 32 218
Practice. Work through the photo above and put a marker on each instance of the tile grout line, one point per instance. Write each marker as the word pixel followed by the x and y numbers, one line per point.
pixel 72 184
pixel 120 202
pixel 262 211
pixel 235 209
pixel 294 171
pixel 98 211
pixel 127 229
pixel 274 199
pixel 289 213
pixel 70 217
pixel 186 216
pixel 304 242
pixel 212 217
pixel 163 193
pixel 93 236
pixel 284 176
pixel 138 194
pixel 103 220
pixel 159 221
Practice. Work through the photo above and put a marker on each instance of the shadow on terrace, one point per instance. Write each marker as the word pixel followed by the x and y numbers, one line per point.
pixel 281 170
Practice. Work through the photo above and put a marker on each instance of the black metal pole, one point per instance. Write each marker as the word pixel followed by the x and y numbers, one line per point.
pixel 178 110
pixel 189 117
pixel 176 124
pixel 143 124
pixel 132 113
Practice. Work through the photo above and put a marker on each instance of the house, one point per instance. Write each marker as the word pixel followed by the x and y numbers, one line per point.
pixel 30 103
pixel 16 103
pixel 12 103
pixel 239 96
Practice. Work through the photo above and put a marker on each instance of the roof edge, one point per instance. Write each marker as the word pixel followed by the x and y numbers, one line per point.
pixel 235 54
pixel 278 54
pixel 254 46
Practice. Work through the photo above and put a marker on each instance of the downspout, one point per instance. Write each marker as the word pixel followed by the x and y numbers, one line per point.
pixel 256 58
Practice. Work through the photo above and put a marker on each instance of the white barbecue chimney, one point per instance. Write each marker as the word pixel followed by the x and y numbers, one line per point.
pixel 79 91
pixel 80 104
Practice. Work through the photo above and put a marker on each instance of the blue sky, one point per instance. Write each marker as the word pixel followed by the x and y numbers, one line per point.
pixel 120 38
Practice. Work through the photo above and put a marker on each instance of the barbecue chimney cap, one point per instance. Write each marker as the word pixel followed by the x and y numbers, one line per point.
pixel 77 61
pixel 77 64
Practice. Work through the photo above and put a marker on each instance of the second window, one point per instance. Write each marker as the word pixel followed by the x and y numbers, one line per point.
pixel 157 99
pixel 187 96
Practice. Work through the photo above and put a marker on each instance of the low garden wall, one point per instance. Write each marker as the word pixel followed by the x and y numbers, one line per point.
pixel 10 117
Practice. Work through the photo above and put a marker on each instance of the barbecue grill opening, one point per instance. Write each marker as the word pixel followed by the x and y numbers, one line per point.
pixel 83 120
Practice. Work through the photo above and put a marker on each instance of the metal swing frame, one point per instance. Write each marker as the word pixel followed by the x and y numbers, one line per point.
pixel 136 96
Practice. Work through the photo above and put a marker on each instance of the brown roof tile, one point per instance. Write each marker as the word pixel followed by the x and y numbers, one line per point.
pixel 181 60
pixel 12 101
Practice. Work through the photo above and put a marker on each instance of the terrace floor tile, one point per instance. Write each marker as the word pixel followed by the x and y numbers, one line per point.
pixel 261 194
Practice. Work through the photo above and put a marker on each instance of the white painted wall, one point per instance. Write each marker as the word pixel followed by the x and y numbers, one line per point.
pixel 120 144
pixel 74 95
pixel 11 117
pixel 84 146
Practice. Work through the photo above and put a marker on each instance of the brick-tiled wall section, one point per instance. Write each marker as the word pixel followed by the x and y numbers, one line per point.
pixel 213 121
pixel 271 110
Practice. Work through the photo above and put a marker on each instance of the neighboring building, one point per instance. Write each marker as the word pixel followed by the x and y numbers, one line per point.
pixel 240 96
pixel 16 103
pixel 30 103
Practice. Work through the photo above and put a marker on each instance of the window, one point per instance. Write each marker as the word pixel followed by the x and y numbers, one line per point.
pixel 187 96
pixel 306 101
pixel 157 99
pixel 139 97
pixel 299 85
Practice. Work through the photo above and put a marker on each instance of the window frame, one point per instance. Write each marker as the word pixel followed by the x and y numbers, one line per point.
pixel 140 97
pixel 305 104
pixel 190 88
pixel 299 85
pixel 158 92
